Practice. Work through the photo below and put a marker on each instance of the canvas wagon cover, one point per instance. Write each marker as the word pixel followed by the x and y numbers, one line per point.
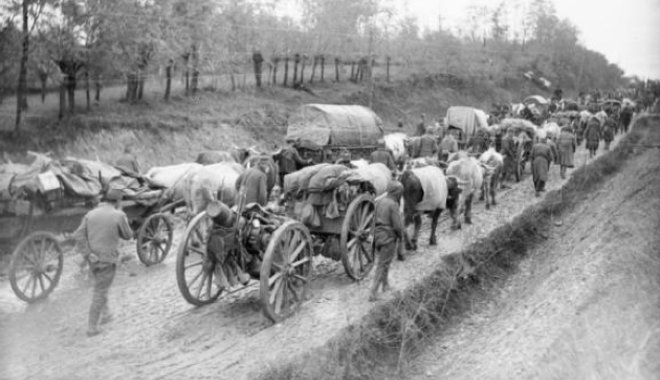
pixel 468 119
pixel 335 125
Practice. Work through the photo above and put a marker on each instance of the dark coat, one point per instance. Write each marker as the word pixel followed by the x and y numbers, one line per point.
pixel 566 144
pixel 289 160
pixel 593 134
pixel 252 183
pixel 384 156
pixel 541 157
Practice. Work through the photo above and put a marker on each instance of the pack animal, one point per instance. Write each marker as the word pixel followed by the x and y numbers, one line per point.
pixel 211 183
pixel 426 191
pixel 492 164
pixel 469 175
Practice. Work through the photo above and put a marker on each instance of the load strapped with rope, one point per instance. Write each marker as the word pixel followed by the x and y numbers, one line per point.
pixel 321 131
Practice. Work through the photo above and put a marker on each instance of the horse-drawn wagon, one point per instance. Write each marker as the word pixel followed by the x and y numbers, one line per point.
pixel 50 199
pixel 328 210
pixel 323 131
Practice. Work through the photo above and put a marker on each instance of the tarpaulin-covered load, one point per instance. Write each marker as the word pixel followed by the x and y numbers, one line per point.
pixel 467 119
pixel 377 174
pixel 519 125
pixel 299 180
pixel 537 100
pixel 335 125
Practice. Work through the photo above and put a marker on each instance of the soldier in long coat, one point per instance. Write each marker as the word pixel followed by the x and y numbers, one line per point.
pixel 541 158
pixel 566 144
pixel 593 135
pixel 508 151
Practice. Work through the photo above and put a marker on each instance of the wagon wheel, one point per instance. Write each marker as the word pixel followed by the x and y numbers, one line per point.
pixel 285 271
pixel 36 266
pixel 154 239
pixel 195 266
pixel 357 237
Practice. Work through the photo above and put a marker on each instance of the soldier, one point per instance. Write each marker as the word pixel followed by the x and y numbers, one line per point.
pixel 100 231
pixel 289 161
pixel 127 163
pixel 251 184
pixel 383 155
pixel 389 232
pixel 509 153
pixel 448 145
pixel 421 126
pixel 428 147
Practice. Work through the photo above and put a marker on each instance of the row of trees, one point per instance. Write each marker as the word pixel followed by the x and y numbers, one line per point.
pixel 90 41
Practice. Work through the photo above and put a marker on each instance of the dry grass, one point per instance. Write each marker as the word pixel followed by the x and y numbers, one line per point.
pixel 395 331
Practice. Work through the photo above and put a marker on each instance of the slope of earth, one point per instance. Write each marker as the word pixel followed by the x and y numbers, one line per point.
pixel 157 335
pixel 584 305
pixel 176 131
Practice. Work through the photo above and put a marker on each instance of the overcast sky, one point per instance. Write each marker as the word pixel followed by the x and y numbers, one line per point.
pixel 627 32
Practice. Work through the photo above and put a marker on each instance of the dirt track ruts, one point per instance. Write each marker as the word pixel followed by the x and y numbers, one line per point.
pixel 156 334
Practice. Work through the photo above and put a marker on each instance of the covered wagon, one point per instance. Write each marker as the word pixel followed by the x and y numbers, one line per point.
pixel 467 120
pixel 323 131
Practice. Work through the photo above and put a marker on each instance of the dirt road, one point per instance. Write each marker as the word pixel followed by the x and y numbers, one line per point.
pixel 156 334
pixel 584 305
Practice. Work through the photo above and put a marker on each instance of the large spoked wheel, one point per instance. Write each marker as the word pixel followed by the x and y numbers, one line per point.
pixel 36 266
pixel 357 237
pixel 195 266
pixel 154 239
pixel 285 271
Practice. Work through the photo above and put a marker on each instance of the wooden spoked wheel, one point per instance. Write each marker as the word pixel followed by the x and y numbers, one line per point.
pixel 154 239
pixel 195 267
pixel 285 271
pixel 36 266
pixel 357 237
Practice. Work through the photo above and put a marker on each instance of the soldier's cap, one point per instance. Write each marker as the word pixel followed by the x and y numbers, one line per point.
pixel 114 195
pixel 394 188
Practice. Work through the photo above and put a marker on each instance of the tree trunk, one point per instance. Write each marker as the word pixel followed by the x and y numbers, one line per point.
pixel 168 80
pixel 43 78
pixel 22 73
pixel 286 70
pixel 131 87
pixel 97 85
pixel 388 68
pixel 353 76
pixel 195 67
pixel 296 60
pixel 336 69
pixel 276 63
pixel 311 79
pixel 62 96
pixel 186 59
pixel 232 78
pixel 322 67
pixel 140 85
pixel 71 91
pixel 87 93
pixel 302 69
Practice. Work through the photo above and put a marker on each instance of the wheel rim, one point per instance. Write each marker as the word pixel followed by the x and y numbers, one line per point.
pixel 36 267
pixel 285 271
pixel 357 238
pixel 154 239
pixel 195 267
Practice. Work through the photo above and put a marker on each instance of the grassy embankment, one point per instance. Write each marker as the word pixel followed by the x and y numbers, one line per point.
pixel 393 332
pixel 175 131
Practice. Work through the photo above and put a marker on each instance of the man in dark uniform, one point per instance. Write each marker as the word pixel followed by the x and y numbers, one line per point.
pixel 99 232
pixel 509 153
pixel 428 145
pixel 251 184
pixel 383 155
pixel 389 231
pixel 127 163
pixel 421 127
pixel 290 161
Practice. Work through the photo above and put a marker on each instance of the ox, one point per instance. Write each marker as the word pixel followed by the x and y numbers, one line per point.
pixel 426 190
pixel 492 163
pixel 469 175
pixel 172 178
pixel 211 183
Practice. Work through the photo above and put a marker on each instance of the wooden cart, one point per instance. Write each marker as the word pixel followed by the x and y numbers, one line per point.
pixel 37 260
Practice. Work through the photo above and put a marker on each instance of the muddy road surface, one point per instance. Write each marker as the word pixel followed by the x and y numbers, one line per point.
pixel 584 305
pixel 155 334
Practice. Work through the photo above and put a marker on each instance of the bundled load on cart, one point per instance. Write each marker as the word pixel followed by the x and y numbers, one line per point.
pixel 323 131
pixel 48 197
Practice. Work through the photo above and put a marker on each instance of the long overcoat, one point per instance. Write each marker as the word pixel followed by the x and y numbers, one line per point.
pixel 566 144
